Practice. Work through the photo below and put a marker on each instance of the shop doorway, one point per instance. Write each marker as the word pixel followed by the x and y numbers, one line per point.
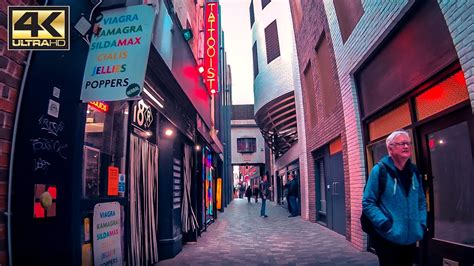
pixel 143 249
pixel 447 146
pixel 330 192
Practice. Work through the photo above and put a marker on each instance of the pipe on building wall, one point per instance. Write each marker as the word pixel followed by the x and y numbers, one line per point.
pixel 12 156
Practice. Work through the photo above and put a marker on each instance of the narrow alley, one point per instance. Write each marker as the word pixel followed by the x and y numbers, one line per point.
pixel 240 236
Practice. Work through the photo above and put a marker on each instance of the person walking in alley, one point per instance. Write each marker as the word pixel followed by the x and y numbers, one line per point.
pixel 265 193
pixel 248 193
pixel 397 210
pixel 292 194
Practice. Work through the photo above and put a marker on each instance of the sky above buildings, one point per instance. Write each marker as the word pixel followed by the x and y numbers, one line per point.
pixel 238 44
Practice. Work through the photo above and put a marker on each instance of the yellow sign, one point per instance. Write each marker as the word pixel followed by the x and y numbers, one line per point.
pixel 38 28
pixel 219 193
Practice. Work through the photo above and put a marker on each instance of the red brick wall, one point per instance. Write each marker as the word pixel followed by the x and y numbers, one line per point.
pixel 11 72
pixel 328 126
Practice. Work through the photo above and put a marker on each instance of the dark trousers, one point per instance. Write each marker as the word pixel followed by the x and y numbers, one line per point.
pixel 390 253
pixel 293 208
pixel 262 209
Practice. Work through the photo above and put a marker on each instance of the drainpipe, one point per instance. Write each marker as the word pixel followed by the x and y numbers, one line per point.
pixel 12 156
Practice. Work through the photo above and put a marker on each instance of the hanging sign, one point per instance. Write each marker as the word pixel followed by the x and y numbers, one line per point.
pixel 118 54
pixel 211 47
pixel 106 234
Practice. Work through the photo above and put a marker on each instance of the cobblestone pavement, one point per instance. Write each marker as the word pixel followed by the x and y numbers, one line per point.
pixel 241 237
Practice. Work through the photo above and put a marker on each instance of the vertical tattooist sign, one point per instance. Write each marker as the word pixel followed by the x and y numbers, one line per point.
pixel 118 54
pixel 211 47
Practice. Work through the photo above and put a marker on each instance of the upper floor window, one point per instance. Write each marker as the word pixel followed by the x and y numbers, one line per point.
pixel 252 15
pixel 272 42
pixel 246 145
pixel 265 3
pixel 348 15
pixel 255 60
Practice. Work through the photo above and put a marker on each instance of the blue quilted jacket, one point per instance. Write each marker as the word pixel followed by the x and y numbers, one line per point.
pixel 406 211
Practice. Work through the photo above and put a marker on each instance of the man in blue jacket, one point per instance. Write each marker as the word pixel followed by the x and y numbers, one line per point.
pixel 399 215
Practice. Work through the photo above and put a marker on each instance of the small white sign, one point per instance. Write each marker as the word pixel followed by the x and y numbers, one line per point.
pixel 53 108
pixel 56 92
pixel 121 185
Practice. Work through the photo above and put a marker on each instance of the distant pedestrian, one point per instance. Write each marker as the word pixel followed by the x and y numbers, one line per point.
pixel 248 193
pixel 265 193
pixel 256 193
pixel 292 194
pixel 398 212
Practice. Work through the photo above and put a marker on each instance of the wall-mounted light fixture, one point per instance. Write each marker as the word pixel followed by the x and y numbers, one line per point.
pixel 169 132
pixel 201 69
pixel 187 34
pixel 197 147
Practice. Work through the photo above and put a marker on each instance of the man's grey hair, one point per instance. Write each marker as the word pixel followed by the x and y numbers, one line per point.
pixel 394 134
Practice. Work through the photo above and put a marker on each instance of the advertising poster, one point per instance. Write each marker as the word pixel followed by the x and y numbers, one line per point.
pixel 118 54
pixel 107 234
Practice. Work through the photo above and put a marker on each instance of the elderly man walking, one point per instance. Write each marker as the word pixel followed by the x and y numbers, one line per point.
pixel 398 214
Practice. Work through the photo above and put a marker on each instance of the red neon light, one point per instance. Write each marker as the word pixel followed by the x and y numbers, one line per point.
pixel 101 106
pixel 211 46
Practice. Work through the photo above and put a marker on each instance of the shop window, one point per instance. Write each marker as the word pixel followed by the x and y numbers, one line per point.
pixel 384 125
pixel 246 145
pixel 272 42
pixel 104 148
pixel 443 95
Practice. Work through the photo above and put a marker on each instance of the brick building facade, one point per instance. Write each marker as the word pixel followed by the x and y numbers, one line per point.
pixel 324 119
pixel 12 64
pixel 387 66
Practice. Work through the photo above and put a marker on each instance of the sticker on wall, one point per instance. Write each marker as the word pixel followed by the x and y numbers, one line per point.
pixel 56 92
pixel 121 184
pixel 44 203
pixel 113 181
pixel 53 108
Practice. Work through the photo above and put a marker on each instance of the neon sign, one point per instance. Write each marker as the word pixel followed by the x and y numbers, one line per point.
pixel 101 106
pixel 211 45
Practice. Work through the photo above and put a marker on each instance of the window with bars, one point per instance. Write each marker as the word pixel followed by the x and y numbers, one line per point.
pixel 272 42
pixel 246 145
pixel 255 60
pixel 252 15
pixel 265 3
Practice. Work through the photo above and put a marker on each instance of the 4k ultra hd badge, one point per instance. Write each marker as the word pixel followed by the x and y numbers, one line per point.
pixel 38 28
